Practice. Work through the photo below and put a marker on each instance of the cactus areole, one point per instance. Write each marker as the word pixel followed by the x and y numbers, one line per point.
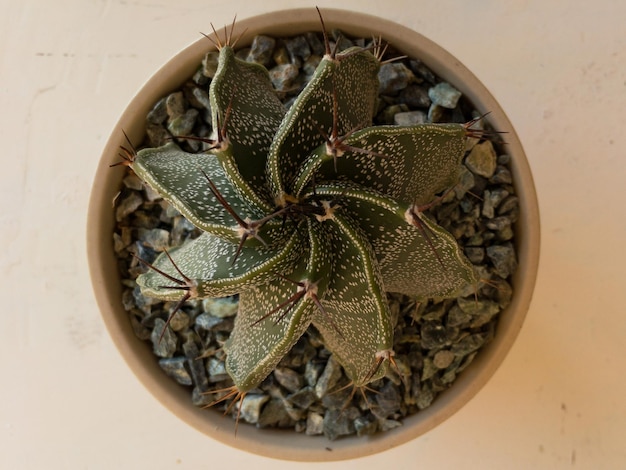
pixel 311 214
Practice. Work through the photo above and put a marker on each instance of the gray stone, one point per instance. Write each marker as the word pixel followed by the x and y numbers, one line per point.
pixel 476 254
pixel 445 95
pixel 433 335
pixel 437 113
pixel 339 423
pixel 132 181
pixel 503 258
pixel 175 104
pixel 468 344
pixel 288 378
pixel 156 238
pixel 180 320
pixel 393 78
pixel 491 200
pixel 365 426
pixel 310 65
pixel 175 368
pixel 200 397
pixel 298 48
pixel 389 424
pixel 129 204
pixel 224 307
pixel 443 359
pixel 415 96
pixel 157 135
pixel 510 204
pixel 216 370
pixel 341 40
pixel 183 125
pixel 390 112
pixel 312 372
pixel 202 97
pixel 250 407
pixel 317 46
pixel 261 50
pixel 281 56
pixel 303 398
pixel 163 345
pixel 328 379
pixel 314 424
pixel 209 64
pixel 158 113
pixel 422 71
pixel 275 414
pixel 466 182
pixel 208 322
pixel 482 160
pixel 498 223
pixel 388 401
pixel 283 76
pixel 410 118
pixel 502 175
pixel 195 364
pixel 425 397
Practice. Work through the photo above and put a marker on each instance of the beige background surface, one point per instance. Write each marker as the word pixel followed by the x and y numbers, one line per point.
pixel 67 70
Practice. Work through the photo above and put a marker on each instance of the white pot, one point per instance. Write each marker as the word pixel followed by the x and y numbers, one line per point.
pixel 284 444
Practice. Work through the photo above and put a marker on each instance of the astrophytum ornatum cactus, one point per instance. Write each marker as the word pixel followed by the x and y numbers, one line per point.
pixel 309 214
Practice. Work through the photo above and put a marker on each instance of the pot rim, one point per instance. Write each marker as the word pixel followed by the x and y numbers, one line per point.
pixel 271 442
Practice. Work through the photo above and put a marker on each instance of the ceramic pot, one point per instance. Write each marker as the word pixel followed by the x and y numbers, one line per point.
pixel 284 444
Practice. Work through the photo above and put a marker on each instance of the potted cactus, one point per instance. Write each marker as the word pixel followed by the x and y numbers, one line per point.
pixel 311 215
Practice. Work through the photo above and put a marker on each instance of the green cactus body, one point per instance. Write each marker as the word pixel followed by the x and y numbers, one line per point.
pixel 309 214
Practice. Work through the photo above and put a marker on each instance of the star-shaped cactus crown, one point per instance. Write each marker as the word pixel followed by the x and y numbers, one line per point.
pixel 311 214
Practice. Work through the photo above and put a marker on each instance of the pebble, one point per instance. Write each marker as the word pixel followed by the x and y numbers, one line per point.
pixel 409 118
pixel 443 359
pixel 445 95
pixel 298 48
pixel 175 104
pixel 175 368
pixel 283 76
pixel 221 308
pixel 250 407
pixel 393 77
pixel 339 423
pixel 289 378
pixel 482 160
pixel 157 135
pixel 365 426
pixel 388 401
pixel 491 200
pixel 158 114
pixel 415 96
pixel 196 366
pixel 422 71
pixel 317 46
pixel 503 258
pixel 314 424
pixel 157 238
pixel 183 124
pixel 303 398
pixel 127 205
pixel 329 378
pixel 433 335
pixel 209 64
pixel 163 345
pixel 261 50
pixel 275 414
